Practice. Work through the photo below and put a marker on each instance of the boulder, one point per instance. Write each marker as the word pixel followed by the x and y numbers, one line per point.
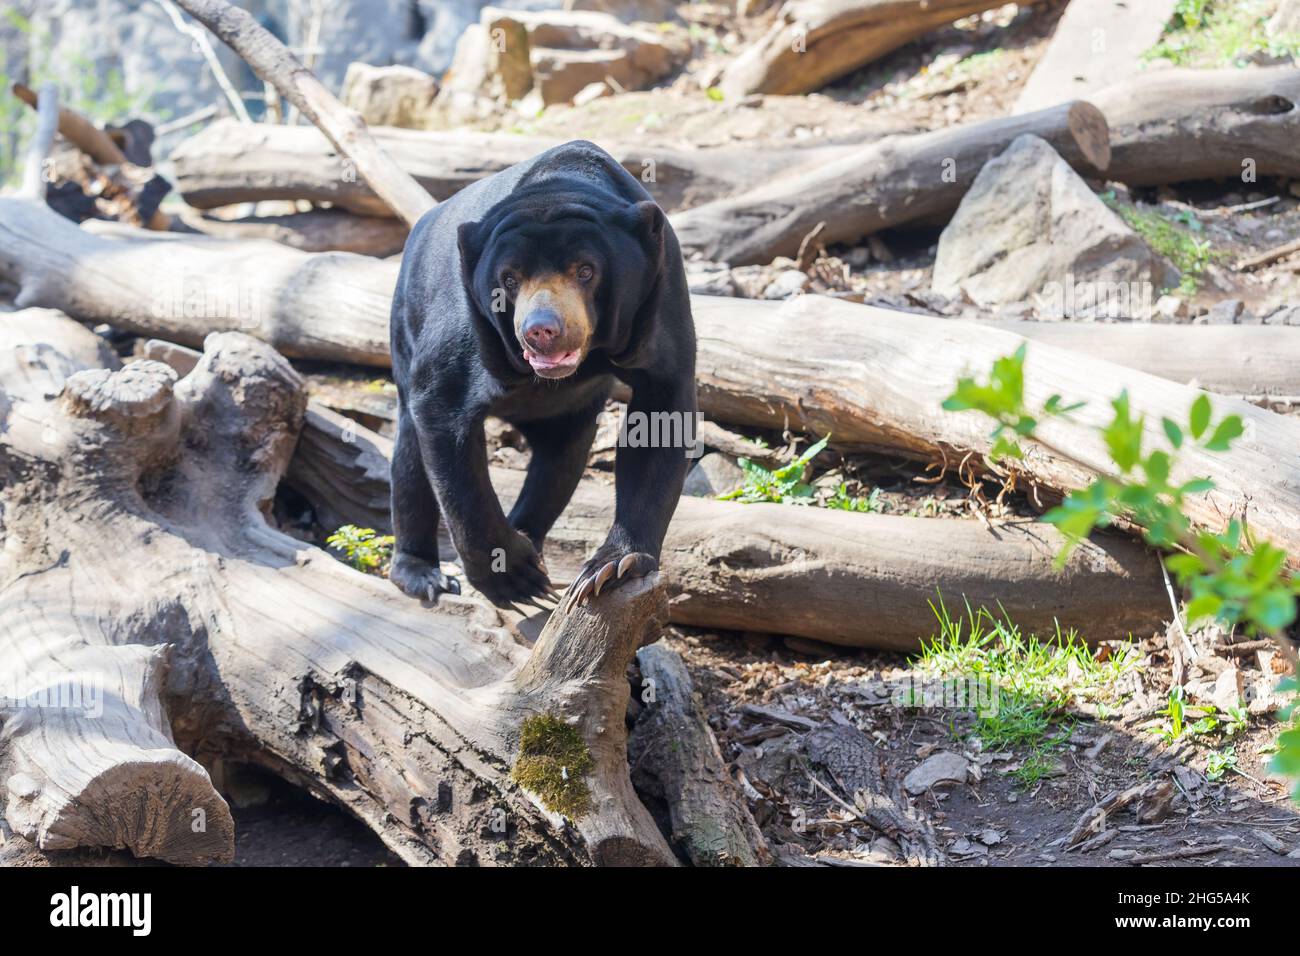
pixel 1031 229
pixel 390 95
pixel 714 474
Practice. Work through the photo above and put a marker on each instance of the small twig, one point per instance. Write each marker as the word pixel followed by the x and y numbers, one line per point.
pixel 200 38
pixel 1179 854
pixel 1178 618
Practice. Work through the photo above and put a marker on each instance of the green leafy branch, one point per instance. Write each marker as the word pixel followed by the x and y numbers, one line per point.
pixel 1228 575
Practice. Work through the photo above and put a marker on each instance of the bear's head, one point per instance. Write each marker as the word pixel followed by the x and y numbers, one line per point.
pixel 561 276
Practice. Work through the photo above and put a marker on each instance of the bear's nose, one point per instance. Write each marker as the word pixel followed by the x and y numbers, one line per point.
pixel 541 330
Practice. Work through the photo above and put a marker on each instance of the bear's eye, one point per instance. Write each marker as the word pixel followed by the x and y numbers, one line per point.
pixel 585 273
pixel 510 282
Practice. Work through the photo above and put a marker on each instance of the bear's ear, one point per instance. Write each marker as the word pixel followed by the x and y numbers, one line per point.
pixel 648 224
pixel 470 244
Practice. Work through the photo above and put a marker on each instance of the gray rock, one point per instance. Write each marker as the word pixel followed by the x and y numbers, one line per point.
pixel 390 95
pixel 1030 228
pixel 710 279
pixel 787 283
pixel 714 474
pixel 1284 315
pixel 1227 312
pixel 942 767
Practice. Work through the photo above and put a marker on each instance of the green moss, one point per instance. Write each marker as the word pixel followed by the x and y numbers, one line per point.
pixel 553 758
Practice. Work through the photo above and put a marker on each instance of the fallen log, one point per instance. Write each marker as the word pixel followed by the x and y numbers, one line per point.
pixel 1170 126
pixel 814 42
pixel 676 759
pixel 433 725
pixel 880 376
pixel 808 572
pixel 231 163
pixel 318 230
pixel 88 757
pixel 1233 360
pixel 896 180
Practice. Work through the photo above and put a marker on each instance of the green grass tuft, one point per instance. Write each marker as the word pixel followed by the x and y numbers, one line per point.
pixel 1177 239
pixel 1216 33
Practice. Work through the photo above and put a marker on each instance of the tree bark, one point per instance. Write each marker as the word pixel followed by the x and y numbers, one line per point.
pixel 896 180
pixel 1170 126
pixel 320 230
pixel 410 716
pixel 814 42
pixel 806 572
pixel 229 162
pixel 676 758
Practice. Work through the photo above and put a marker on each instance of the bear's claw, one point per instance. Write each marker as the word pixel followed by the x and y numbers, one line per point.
pixel 421 579
pixel 596 577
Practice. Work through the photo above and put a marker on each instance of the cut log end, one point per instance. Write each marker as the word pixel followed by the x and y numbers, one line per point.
pixel 159 805
pixel 1091 133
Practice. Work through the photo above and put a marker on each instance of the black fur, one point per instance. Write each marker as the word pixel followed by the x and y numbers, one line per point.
pixel 455 361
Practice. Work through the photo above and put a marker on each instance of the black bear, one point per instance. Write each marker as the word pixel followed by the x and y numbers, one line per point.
pixel 525 296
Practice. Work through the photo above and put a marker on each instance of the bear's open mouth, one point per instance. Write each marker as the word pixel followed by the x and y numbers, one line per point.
pixel 552 366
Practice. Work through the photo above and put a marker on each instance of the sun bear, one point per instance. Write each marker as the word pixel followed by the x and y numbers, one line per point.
pixel 525 296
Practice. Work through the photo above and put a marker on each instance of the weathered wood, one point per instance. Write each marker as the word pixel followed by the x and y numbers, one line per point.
pixel 79 131
pixel 408 715
pixel 1230 359
pixel 814 42
pixel 1096 43
pixel 229 162
pixel 273 63
pixel 870 377
pixel 896 180
pixel 675 758
pixel 38 148
pixel 319 230
pixel 1169 126
pixel 89 758
pixel 808 572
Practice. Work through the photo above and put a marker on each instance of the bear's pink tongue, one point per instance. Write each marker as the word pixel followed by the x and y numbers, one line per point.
pixel 561 360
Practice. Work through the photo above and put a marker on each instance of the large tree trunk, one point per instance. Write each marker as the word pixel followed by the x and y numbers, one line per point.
pixel 814 42
pixel 807 572
pixel 230 162
pixel 409 716
pixel 888 372
pixel 896 180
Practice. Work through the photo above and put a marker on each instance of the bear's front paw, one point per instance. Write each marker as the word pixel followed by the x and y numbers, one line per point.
pixel 511 572
pixel 605 570
pixel 420 578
